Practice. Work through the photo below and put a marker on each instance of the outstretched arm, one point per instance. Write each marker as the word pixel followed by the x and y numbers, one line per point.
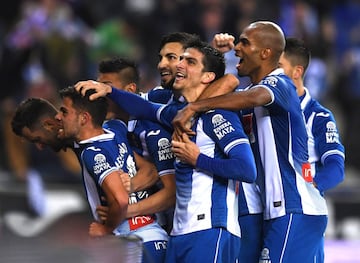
pixel 132 103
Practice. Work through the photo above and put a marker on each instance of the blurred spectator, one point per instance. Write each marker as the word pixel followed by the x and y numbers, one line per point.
pixel 347 50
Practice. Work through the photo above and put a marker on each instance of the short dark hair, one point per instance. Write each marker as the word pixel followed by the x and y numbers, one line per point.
pixel 126 68
pixel 177 37
pixel 29 112
pixel 213 59
pixel 97 108
pixel 297 53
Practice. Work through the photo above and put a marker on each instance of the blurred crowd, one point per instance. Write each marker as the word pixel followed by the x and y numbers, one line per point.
pixel 49 44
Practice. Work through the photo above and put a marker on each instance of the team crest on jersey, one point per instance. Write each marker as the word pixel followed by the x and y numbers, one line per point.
pixel 221 126
pixel 164 152
pixel 332 135
pixel 100 163
pixel 269 81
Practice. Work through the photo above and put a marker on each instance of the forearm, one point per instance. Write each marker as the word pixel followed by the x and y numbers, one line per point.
pixel 156 202
pixel 233 101
pixel 116 215
pixel 224 85
pixel 331 174
pixel 240 168
pixel 139 182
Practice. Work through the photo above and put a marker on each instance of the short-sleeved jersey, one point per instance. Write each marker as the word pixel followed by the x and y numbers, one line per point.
pixel 102 155
pixel 153 142
pixel 278 137
pixel 324 140
pixel 159 95
pixel 205 200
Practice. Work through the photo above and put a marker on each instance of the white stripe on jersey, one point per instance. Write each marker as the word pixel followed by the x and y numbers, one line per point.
pixel 270 162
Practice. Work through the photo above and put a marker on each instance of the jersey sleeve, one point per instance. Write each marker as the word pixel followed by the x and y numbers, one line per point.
pixel 330 151
pixel 159 145
pixel 326 135
pixel 237 161
pixel 98 163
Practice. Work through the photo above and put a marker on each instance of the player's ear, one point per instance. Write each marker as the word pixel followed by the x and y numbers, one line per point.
pixel 84 117
pixel 209 77
pixel 266 52
pixel 131 87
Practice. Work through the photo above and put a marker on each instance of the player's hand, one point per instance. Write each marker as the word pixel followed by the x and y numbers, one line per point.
pixel 186 150
pixel 102 212
pixel 182 123
pixel 224 42
pixel 101 89
pixel 98 230
pixel 126 180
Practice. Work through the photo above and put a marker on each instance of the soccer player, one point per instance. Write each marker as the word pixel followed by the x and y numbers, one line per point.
pixel 149 139
pixel 206 217
pixel 292 228
pixel 102 154
pixel 326 152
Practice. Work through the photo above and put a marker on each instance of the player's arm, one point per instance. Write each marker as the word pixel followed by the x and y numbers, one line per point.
pixel 157 202
pixel 239 166
pixel 146 175
pixel 256 96
pixel 125 100
pixel 331 174
pixel 224 85
pixel 117 200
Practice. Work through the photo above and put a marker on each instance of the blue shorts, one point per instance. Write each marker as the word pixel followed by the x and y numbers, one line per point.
pixel 154 251
pixel 293 238
pixel 251 237
pixel 211 245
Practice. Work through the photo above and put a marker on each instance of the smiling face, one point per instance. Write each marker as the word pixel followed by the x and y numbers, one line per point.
pixel 169 57
pixel 190 74
pixel 70 120
pixel 45 135
pixel 248 50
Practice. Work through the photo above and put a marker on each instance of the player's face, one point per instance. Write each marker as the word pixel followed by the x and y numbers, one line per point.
pixel 44 137
pixel 169 57
pixel 70 119
pixel 248 50
pixel 189 72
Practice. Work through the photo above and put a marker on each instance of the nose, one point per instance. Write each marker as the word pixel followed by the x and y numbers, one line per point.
pixel 161 63
pixel 58 116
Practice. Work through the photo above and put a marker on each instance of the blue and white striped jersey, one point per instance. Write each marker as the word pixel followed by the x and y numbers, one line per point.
pixel 324 141
pixel 278 137
pixel 153 142
pixel 206 200
pixel 102 155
